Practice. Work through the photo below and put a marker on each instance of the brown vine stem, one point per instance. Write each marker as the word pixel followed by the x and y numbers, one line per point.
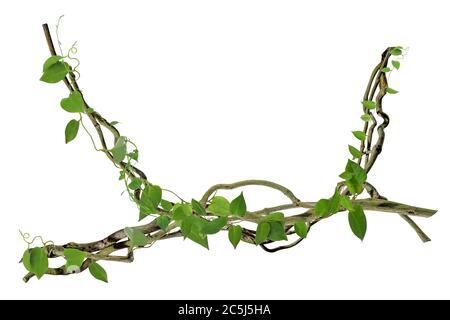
pixel 104 248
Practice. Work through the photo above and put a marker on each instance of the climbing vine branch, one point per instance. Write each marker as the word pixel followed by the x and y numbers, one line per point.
pixel 274 229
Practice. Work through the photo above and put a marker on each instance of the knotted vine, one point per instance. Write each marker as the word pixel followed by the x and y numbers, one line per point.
pixel 201 218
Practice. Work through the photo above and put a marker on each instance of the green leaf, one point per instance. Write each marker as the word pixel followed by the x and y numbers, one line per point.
pixel 391 91
pixel 368 104
pixel 38 261
pixel 198 208
pixel 136 236
pixel 238 206
pixel 72 130
pixel 166 205
pixel 357 221
pixel 335 201
pixel 113 123
pixel 366 117
pixel 235 235
pixel 357 179
pixel 74 259
pixel 396 51
pixel 98 272
pixel 163 222
pixel 219 206
pixel 322 208
pixel 120 149
pixel 150 199
pixel 214 226
pixel 135 184
pixel 50 62
pixel 359 135
pixel 74 103
pixel 89 110
pixel 277 231
pixel 301 228
pixel 55 72
pixel 181 211
pixel 262 232
pixel 386 69
pixel 26 259
pixel 346 175
pixel 355 152
pixel 134 155
pixel 276 216
pixel 396 64
pixel 186 225
pixel 121 175
pixel 346 203
pixel 197 236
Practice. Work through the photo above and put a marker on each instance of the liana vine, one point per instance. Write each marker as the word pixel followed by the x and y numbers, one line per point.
pixel 200 218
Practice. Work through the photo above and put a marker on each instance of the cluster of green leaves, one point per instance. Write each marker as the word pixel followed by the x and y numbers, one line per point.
pixel 35 260
pixel 55 70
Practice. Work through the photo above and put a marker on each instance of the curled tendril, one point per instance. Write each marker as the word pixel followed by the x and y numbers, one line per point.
pixel 26 236
pixel 73 50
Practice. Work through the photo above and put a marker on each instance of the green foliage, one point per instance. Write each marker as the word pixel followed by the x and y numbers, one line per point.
pixel 136 236
pixel 113 123
pixel 354 176
pixel 38 262
pixel 334 203
pixel 214 226
pixel 391 91
pixel 238 206
pixel 198 237
pixel 235 235
pixel 396 51
pixel 262 232
pixel 134 155
pixel 396 64
pixel 54 70
pixel 119 151
pixel 166 205
pixel 368 104
pixel 386 69
pixel 150 199
pixel 198 208
pixel 74 259
pixel 135 184
pixel 275 216
pixel 366 117
pixel 74 103
pixel 346 203
pixel 98 272
pixel 219 206
pixel 51 61
pixel 359 135
pixel 163 222
pixel 72 130
pixel 181 211
pixel 355 152
pixel 301 228
pixel 26 259
pixel 321 208
pixel 357 221
pixel 277 231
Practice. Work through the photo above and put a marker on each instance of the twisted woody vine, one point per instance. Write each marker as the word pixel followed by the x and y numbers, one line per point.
pixel 203 217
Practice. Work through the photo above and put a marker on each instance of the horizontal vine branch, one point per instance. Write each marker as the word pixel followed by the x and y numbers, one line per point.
pixel 196 220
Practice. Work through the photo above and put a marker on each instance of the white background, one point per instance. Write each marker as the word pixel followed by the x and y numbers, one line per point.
pixel 219 91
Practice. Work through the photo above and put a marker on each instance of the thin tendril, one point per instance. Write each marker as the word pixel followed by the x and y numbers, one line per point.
pixel 26 236
pixel 57 35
